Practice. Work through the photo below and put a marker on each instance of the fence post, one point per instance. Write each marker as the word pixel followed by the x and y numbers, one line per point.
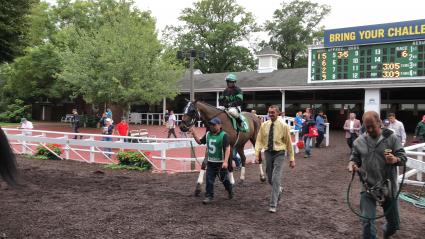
pixel 24 143
pixel 163 158
pixel 92 150
pixel 420 158
pixel 327 134
pixel 66 147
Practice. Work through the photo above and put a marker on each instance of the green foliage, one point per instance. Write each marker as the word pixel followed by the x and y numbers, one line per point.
pixel 43 153
pixel 14 111
pixel 294 26
pixel 33 76
pixel 121 61
pixel 216 27
pixel 90 120
pixel 134 159
pixel 13 27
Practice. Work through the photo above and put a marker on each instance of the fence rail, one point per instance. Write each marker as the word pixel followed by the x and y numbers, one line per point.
pixel 416 154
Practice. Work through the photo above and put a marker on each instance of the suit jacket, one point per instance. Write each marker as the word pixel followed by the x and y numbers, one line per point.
pixel 356 128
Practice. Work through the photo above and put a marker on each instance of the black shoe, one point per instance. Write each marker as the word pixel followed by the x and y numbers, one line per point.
pixel 207 200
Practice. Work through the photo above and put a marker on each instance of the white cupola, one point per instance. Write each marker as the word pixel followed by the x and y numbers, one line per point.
pixel 267 60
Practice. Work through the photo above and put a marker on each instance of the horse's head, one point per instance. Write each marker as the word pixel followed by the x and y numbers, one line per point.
pixel 190 116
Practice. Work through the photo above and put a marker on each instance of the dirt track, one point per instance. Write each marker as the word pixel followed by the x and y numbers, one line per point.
pixel 65 199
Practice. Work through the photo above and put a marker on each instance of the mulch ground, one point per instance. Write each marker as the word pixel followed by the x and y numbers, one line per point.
pixel 68 199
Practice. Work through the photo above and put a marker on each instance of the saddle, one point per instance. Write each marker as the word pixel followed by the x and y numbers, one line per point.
pixel 243 127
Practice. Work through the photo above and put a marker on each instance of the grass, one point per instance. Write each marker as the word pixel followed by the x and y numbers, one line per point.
pixel 9 124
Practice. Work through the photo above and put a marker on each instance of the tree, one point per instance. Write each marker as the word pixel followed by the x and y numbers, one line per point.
pixel 121 61
pixel 293 27
pixel 217 27
pixel 13 27
pixel 33 76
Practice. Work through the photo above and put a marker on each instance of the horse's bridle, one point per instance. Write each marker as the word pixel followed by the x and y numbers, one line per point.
pixel 194 114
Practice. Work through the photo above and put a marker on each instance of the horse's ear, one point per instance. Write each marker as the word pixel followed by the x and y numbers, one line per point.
pixel 187 101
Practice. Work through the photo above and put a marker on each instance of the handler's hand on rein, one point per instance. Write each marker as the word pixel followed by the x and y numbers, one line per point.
pixel 391 159
pixel 352 167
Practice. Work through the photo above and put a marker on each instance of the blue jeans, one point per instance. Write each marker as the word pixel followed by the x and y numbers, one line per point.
pixel 368 209
pixel 307 147
pixel 107 149
pixel 214 170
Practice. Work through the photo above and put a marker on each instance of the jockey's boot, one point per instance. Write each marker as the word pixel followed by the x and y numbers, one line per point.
pixel 239 122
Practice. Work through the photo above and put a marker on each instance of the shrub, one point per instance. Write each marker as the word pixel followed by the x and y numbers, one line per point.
pixel 134 159
pixel 14 111
pixel 43 153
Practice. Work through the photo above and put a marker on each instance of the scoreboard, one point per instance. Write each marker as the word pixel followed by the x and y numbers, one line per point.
pixel 369 60
pixel 395 60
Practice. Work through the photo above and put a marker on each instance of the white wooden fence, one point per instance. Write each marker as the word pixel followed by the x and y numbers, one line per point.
pixel 416 155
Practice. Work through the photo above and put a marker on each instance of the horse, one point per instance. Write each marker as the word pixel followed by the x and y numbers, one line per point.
pixel 199 110
pixel 8 169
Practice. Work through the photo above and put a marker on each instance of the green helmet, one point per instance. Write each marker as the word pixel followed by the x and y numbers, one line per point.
pixel 231 77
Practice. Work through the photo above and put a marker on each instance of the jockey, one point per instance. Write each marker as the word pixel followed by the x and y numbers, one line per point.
pixel 232 97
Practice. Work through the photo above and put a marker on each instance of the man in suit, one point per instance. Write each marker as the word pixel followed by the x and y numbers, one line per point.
pixel 352 129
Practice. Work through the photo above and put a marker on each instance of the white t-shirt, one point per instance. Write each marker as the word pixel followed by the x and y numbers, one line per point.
pixel 171 121
pixel 351 126
pixel 27 125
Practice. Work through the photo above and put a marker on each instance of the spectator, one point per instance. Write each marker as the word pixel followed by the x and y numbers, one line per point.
pixel 398 128
pixel 298 121
pixel 171 124
pixel 102 121
pixel 76 123
pixel 108 129
pixel 320 125
pixel 352 129
pixel 26 125
pixel 166 115
pixel 420 131
pixel 109 113
pixel 308 122
pixel 371 157
pixel 122 129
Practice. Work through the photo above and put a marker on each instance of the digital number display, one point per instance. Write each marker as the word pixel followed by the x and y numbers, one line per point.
pixel 392 60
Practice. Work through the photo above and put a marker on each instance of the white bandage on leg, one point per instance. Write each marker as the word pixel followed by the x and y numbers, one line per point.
pixel 243 173
pixel 231 179
pixel 201 176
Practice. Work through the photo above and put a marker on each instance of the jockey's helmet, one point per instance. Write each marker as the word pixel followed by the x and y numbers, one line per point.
pixel 231 78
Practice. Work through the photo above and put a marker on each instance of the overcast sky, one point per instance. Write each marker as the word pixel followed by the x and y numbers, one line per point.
pixel 345 13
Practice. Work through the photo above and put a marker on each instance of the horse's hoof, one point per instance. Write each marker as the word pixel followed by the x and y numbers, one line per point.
pixel 241 182
pixel 198 190
pixel 262 179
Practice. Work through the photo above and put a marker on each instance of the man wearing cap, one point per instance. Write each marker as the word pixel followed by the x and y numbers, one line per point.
pixel 108 129
pixel 274 137
pixel 232 97
pixel 75 123
pixel 218 149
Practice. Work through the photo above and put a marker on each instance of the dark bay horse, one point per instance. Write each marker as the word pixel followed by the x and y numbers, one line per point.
pixel 7 160
pixel 199 110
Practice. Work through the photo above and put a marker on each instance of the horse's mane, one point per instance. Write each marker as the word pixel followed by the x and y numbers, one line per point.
pixel 7 160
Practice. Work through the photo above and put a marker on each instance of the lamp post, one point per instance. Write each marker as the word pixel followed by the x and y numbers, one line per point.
pixel 191 55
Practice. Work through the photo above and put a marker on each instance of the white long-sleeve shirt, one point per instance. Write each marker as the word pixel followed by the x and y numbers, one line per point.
pixel 398 128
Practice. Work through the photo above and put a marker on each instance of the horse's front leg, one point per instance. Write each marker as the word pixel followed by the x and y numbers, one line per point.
pixel 241 153
pixel 230 167
pixel 198 187
pixel 260 165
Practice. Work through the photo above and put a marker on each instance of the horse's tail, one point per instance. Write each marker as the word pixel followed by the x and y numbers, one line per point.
pixel 257 124
pixel 7 160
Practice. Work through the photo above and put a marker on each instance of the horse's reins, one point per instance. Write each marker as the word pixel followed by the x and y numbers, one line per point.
pixel 390 208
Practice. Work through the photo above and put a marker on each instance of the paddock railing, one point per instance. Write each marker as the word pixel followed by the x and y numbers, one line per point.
pixel 98 148
pixel 416 155
pixel 158 119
